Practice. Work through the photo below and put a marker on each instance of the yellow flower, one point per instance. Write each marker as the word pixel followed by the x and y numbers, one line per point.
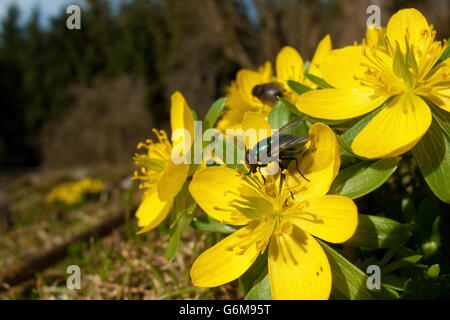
pixel 161 178
pixel 289 66
pixel 399 69
pixel 286 221
pixel 71 193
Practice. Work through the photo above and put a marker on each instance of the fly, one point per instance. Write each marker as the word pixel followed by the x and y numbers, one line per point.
pixel 288 147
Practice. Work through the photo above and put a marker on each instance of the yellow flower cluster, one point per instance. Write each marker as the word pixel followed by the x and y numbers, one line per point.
pixel 395 71
pixel 71 193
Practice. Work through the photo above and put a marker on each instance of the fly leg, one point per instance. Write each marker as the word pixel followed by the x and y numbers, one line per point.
pixel 259 170
pixel 296 166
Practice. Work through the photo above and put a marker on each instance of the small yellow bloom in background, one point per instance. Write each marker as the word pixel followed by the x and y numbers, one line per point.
pixel 289 66
pixel 161 178
pixel 397 66
pixel 283 221
pixel 71 193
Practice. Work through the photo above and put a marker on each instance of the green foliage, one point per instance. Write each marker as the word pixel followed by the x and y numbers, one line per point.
pixel 428 288
pixel 208 224
pixel 254 274
pixel 297 87
pixel 378 232
pixel 432 154
pixel 261 291
pixel 349 282
pixel 321 83
pixel 291 107
pixel 361 178
pixel 214 113
pixel 279 116
pixel 181 214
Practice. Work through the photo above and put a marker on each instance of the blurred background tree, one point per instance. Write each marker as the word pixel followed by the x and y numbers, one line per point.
pixel 165 45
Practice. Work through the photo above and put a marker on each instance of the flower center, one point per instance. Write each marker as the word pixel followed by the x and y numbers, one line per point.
pixel 154 161
pixel 391 69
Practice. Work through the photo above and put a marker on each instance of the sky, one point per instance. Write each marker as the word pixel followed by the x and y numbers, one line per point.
pixel 48 8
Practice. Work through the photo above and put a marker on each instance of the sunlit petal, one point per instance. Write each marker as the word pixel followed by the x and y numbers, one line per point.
pixel 232 256
pixel 340 66
pixel 395 130
pixel 339 104
pixel 171 180
pixel 219 191
pixel 181 116
pixel 298 267
pixel 410 25
pixel 152 211
pixel 319 164
pixel 332 218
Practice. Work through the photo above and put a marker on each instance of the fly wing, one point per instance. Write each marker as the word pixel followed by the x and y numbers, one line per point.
pixel 289 128
pixel 287 142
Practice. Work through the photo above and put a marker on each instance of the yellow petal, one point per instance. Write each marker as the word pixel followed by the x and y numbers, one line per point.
pixel 323 49
pixel 339 104
pixel 266 71
pixel 214 188
pixel 246 80
pixel 298 267
pixel 332 218
pixel 374 36
pixel 340 67
pixel 253 121
pixel 395 130
pixel 231 257
pixel 181 116
pixel 152 211
pixel 407 24
pixel 443 99
pixel 319 164
pixel 171 180
pixel 289 66
pixel 236 107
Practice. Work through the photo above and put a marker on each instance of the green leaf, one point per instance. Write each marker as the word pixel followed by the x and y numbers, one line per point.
pixel 442 118
pixel 378 232
pixel 291 107
pixel 279 116
pixel 254 274
pixel 433 271
pixel 395 282
pixel 297 87
pixel 432 154
pixel 261 291
pixel 317 81
pixel 405 262
pixel 208 224
pixel 349 282
pixel 428 288
pixel 364 177
pixel 214 113
pixel 175 236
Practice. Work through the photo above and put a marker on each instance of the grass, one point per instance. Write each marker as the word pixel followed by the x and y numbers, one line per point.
pixel 122 265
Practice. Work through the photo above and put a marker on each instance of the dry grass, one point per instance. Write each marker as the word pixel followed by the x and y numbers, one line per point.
pixel 122 265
